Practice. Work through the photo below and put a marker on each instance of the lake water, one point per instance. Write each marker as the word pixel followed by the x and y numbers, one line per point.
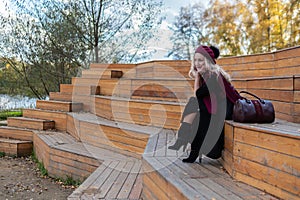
pixel 16 102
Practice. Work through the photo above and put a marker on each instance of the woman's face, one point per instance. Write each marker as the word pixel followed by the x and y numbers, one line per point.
pixel 199 63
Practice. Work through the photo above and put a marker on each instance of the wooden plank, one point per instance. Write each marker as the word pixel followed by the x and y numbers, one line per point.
pixel 84 81
pixel 41 150
pixel 66 88
pixel 15 147
pixel 147 194
pixel 228 137
pixel 137 188
pixel 101 178
pixel 128 185
pixel 273 95
pixel 30 123
pixel 194 171
pixel 286 163
pixel 73 127
pixel 156 190
pixel 296 109
pixel 25 148
pixel 288 53
pixel 273 177
pixel 111 66
pixel 60 96
pixel 288 61
pixel 227 162
pixel 57 116
pixel 70 162
pixel 200 185
pixel 16 133
pixel 177 188
pixel 58 105
pixel 113 134
pixel 109 182
pixel 57 169
pixel 282 107
pixel 280 83
pixel 265 186
pixel 120 181
pixel 161 146
pixel 81 89
pixel 151 145
pixel 243 190
pixel 256 138
pixel 84 187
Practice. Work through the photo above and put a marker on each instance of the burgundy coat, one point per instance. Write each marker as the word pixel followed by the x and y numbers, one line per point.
pixel 219 89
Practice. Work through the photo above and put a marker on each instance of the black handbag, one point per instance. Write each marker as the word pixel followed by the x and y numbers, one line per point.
pixel 253 111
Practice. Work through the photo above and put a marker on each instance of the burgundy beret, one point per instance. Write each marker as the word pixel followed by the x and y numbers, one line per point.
pixel 207 52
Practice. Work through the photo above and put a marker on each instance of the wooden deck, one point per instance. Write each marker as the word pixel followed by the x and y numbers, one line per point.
pixel 118 144
pixel 266 156
pixel 167 177
pixel 112 180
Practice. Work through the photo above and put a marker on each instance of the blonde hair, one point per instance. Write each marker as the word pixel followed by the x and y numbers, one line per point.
pixel 210 68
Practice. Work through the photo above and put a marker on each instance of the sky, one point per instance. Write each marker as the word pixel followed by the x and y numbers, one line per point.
pixel 162 44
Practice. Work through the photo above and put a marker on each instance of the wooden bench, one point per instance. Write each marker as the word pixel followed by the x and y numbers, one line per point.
pixel 266 155
pixel 112 180
pixel 121 137
pixel 142 112
pixel 167 177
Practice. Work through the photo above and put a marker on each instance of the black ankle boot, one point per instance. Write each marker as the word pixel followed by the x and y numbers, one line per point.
pixel 192 157
pixel 179 142
pixel 183 137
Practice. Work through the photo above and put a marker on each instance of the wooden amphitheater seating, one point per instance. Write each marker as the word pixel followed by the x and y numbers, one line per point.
pixel 266 155
pixel 112 133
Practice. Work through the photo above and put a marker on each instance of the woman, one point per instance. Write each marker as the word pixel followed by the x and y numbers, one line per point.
pixel 206 112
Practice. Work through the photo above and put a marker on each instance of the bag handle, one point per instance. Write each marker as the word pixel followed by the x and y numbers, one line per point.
pixel 261 100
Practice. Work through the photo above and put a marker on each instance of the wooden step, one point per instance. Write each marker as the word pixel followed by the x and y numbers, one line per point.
pixel 107 85
pixel 58 117
pixel 80 90
pixel 64 156
pixel 280 63
pixel 142 112
pixel 112 180
pixel 165 176
pixel 107 73
pixel 58 96
pixel 16 133
pixel 266 156
pixel 15 147
pixel 157 88
pixel 120 137
pixel 163 69
pixel 111 66
pixel 59 105
pixel 30 123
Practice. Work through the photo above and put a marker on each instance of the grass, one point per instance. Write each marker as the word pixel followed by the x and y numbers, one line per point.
pixel 40 165
pixel 2 154
pixel 68 181
pixel 10 113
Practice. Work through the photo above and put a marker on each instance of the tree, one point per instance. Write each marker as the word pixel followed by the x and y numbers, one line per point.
pixel 292 12
pixel 242 27
pixel 47 42
pixel 188 29
pixel 224 26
